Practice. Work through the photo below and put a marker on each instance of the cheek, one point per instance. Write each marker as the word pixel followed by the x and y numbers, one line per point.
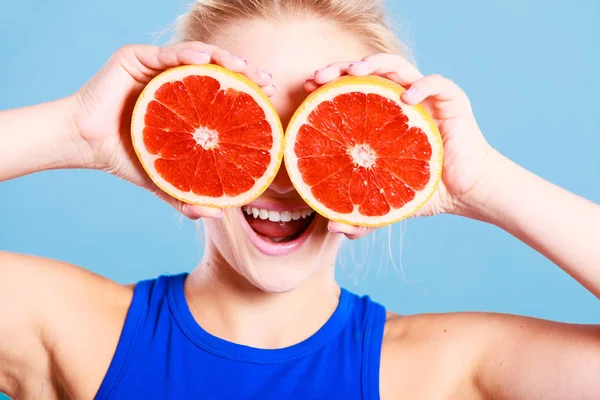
pixel 223 232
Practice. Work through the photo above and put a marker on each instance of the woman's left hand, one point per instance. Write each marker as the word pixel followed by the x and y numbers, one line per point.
pixel 467 155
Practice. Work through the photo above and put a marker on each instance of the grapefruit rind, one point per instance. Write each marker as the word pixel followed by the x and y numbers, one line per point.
pixel 418 116
pixel 227 79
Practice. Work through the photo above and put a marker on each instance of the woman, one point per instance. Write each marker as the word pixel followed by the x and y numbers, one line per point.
pixel 247 325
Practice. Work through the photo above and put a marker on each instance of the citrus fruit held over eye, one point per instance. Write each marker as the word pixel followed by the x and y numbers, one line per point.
pixel 207 136
pixel 357 154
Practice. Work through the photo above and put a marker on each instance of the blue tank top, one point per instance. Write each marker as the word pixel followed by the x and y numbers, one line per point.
pixel 163 353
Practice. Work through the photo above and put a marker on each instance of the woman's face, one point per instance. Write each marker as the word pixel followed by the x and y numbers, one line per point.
pixel 280 256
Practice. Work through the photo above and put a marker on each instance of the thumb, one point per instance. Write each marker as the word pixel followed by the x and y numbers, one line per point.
pixel 143 62
pixel 350 231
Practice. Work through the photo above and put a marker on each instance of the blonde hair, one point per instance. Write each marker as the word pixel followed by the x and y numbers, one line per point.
pixel 364 18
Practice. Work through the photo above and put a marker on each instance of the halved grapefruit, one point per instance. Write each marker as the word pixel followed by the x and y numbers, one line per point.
pixel 357 154
pixel 207 136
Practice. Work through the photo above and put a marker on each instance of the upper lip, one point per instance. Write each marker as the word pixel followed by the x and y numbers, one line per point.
pixel 274 205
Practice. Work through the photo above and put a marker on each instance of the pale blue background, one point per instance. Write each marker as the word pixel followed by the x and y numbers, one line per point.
pixel 530 68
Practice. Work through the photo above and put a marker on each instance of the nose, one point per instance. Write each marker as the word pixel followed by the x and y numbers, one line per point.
pixel 282 183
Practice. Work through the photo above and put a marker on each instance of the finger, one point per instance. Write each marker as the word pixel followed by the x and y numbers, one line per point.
pixel 331 72
pixel 269 90
pixel 191 211
pixel 392 66
pixel 187 53
pixel 438 87
pixel 191 57
pixel 144 62
pixel 350 231
pixel 195 212
pixel 226 60
pixel 310 85
pixel 260 77
pixel 241 65
pixel 184 53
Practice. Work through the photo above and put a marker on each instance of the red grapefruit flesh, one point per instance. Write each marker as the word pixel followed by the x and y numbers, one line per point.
pixel 357 154
pixel 207 136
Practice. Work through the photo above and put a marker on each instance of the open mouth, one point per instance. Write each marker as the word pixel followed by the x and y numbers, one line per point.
pixel 278 232
pixel 278 226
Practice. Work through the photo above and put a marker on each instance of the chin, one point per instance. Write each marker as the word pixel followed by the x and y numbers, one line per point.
pixel 276 249
pixel 286 280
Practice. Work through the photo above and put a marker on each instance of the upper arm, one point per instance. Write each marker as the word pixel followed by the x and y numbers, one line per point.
pixel 489 356
pixel 43 303
pixel 21 347
pixel 527 358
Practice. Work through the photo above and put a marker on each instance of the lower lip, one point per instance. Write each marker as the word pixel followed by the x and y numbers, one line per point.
pixel 276 249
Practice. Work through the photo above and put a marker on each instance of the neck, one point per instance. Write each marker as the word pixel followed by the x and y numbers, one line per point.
pixel 226 305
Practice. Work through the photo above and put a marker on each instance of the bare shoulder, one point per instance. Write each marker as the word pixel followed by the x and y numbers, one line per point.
pixel 426 356
pixel 54 319
pixel 464 355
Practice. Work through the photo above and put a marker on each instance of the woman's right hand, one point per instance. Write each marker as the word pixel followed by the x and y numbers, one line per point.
pixel 105 104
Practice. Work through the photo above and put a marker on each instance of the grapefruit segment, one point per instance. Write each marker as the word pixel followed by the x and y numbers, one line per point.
pixel 180 172
pixel 234 179
pixel 206 179
pixel 244 109
pixel 328 121
pixel 255 160
pixel 357 154
pixel 352 108
pixel 317 169
pixel 155 139
pixel 161 117
pixel 177 150
pixel 334 190
pixel 396 192
pixel 412 143
pixel 367 194
pixel 380 111
pixel 311 142
pixel 175 97
pixel 257 135
pixel 202 91
pixel 207 136
pixel 415 173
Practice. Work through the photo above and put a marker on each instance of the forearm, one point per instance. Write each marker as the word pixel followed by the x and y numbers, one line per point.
pixel 560 225
pixel 40 137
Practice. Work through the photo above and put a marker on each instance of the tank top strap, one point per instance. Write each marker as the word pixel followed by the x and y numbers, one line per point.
pixel 146 305
pixel 374 323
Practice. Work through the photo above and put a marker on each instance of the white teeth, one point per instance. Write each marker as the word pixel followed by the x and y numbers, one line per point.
pixel 274 216
pixel 306 213
pixel 286 216
pixel 277 216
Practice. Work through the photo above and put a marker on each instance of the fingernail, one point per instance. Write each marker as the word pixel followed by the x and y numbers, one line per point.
pixel 332 230
pixel 267 73
pixel 410 91
pixel 203 53
pixel 243 59
pixel 356 63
